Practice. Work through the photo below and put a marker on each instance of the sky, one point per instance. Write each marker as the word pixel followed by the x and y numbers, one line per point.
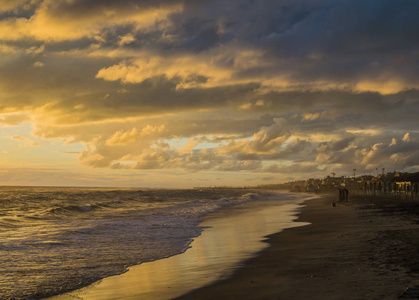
pixel 184 93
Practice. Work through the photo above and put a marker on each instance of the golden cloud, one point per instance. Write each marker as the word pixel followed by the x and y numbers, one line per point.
pixel 204 70
pixel 14 118
pixel 52 22
pixel 26 142
pixel 6 5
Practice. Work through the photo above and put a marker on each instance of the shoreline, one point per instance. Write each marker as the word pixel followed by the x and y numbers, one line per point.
pixel 351 251
pixel 231 236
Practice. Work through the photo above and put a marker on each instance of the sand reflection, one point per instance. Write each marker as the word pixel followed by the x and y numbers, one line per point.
pixel 213 255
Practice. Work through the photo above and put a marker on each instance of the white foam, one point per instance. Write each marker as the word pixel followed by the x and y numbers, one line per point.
pixel 225 242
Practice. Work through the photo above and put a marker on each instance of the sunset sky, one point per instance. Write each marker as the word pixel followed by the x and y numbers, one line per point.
pixel 171 93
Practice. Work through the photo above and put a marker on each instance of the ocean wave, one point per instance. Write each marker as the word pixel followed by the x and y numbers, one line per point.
pixel 71 209
pixel 10 223
pixel 92 234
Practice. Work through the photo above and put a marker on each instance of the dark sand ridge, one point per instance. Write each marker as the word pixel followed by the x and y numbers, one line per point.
pixel 367 248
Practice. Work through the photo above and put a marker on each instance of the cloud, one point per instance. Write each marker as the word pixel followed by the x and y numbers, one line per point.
pixel 406 138
pixel 246 86
pixel 305 43
pixel 38 64
pixel 215 68
pixel 130 136
pixel 26 142
pixel 122 138
pixel 363 155
pixel 126 39
pixel 296 168
pixel 60 20
pixel 16 5
pixel 13 119
pixel 310 117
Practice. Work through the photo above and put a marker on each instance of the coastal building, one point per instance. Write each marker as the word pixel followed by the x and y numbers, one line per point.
pixel 386 184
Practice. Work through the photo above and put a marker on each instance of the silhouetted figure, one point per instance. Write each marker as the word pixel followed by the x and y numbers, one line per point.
pixel 345 195
pixel 341 195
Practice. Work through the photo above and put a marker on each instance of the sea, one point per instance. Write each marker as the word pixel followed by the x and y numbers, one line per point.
pixel 53 239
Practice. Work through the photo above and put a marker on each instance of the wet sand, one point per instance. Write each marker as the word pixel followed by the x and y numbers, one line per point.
pixel 232 235
pixel 367 248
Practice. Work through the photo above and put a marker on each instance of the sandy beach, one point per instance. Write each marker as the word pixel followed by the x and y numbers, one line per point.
pixel 231 235
pixel 366 248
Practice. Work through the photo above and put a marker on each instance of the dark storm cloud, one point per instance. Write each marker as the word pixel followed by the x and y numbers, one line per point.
pixel 342 42
pixel 333 40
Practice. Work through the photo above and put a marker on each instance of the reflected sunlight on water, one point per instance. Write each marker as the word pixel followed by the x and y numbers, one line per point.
pixel 229 240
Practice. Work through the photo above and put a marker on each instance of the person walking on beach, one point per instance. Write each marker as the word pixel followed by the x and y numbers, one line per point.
pixel 340 194
pixel 345 195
